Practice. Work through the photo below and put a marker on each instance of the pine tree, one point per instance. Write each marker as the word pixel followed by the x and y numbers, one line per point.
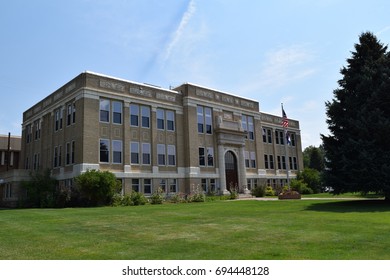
pixel 357 150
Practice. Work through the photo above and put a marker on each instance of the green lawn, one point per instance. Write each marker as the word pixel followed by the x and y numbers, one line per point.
pixel 250 229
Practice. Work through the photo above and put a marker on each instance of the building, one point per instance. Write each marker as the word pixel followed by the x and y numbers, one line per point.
pixel 151 137
pixel 10 174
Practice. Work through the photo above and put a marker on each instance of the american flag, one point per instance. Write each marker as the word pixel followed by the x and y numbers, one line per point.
pixel 284 119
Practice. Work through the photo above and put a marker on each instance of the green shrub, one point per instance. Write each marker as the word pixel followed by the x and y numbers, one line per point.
pixel 258 191
pixel 41 190
pixel 269 191
pixel 116 200
pixel 96 187
pixel 177 198
pixel 196 195
pixel 300 186
pixel 157 197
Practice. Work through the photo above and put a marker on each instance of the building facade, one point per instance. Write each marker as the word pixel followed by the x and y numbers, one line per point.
pixel 10 173
pixel 150 137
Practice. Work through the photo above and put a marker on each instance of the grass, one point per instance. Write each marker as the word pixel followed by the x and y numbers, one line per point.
pixel 250 229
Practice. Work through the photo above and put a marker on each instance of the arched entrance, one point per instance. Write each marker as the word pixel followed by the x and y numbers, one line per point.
pixel 231 174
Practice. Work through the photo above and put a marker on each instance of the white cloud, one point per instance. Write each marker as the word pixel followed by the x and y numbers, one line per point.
pixel 281 67
pixel 180 30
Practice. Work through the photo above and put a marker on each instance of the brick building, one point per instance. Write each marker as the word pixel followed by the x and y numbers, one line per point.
pixel 152 137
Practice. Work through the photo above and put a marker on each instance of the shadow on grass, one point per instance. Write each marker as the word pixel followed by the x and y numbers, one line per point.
pixel 351 206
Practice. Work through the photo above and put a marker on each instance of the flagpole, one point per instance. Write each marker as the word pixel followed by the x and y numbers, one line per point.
pixel 286 150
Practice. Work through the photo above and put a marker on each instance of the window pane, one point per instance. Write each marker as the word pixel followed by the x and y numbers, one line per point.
pixel 170 120
pixel 210 156
pixel 161 154
pixel 160 119
pixel 253 160
pixel 117 151
pixel 147 186
pixel 117 112
pixel 134 113
pixel 244 123
pixel 201 157
pixel 135 185
pixel 104 151
pixel 171 155
pixel 145 112
pixel 104 110
pixel 163 183
pixel 208 120
pixel 134 154
pixel 172 185
pixel 200 117
pixel 145 153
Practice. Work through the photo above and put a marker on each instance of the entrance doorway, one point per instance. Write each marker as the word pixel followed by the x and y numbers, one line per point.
pixel 231 170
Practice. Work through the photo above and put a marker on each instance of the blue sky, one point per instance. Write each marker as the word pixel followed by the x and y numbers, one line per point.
pixel 275 52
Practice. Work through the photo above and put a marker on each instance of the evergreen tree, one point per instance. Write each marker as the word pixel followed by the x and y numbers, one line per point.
pixel 357 150
pixel 313 157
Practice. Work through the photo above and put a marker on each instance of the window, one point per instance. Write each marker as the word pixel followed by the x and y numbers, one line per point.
pixel 55 163
pixel 202 161
pixel 104 150
pixel 117 151
pixel 291 139
pixel 172 185
pixel 171 155
pixel 147 186
pixel 204 117
pixel 269 161
pixel 208 185
pixel 267 135
pixel 73 151
pixel 28 133
pixel 295 163
pixel 8 190
pixel 283 162
pixel 253 160
pixel 160 119
pixel 59 155
pixel 200 117
pixel 162 185
pixel 145 153
pixel 67 159
pixel 279 162
pixel 208 120
pixel 135 185
pixel 134 152
pixel 134 113
pixel 170 120
pixel 247 125
pixel 145 116
pixel 104 110
pixel 74 112
pixel 279 138
pixel 246 159
pixel 37 126
pixel 58 119
pixel 161 154
pixel 210 156
pixel 167 115
pixel 69 115
pixel 117 112
pixel 209 161
pixel 36 162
